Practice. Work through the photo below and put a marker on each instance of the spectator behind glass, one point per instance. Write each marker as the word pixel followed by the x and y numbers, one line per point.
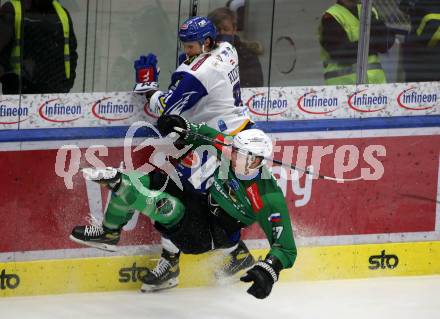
pixel 239 7
pixel 251 74
pixel 421 48
pixel 339 35
pixel 45 59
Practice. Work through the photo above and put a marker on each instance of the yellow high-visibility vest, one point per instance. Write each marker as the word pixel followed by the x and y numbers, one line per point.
pixel 436 36
pixel 17 49
pixel 336 74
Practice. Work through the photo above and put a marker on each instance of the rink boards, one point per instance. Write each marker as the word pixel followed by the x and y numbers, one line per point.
pixel 366 228
pixel 123 273
pixel 386 224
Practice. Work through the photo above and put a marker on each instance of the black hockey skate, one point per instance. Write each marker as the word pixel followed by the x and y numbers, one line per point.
pixel 164 275
pixel 238 259
pixel 96 236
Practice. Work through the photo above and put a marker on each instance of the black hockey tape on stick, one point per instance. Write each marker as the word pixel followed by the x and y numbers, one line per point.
pixel 194 7
pixel 213 141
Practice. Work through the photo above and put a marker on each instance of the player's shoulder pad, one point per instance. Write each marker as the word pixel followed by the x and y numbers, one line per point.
pixel 202 68
pixel 198 65
pixel 225 53
pixel 202 59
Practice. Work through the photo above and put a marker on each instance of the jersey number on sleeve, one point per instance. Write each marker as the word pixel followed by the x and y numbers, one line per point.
pixel 277 231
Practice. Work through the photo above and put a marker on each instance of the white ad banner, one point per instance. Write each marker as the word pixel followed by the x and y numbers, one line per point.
pixel 341 102
pixel 275 103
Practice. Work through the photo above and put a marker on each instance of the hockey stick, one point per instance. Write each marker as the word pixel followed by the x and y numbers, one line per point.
pixel 194 6
pixel 213 141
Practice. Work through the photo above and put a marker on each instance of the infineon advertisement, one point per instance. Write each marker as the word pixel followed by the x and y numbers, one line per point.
pixel 264 104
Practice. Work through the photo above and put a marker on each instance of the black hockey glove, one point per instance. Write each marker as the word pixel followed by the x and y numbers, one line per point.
pixel 264 274
pixel 167 123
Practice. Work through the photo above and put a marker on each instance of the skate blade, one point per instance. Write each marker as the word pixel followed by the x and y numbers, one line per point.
pixel 173 282
pixel 106 247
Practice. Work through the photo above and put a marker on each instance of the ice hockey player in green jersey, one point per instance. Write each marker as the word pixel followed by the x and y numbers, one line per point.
pixel 243 192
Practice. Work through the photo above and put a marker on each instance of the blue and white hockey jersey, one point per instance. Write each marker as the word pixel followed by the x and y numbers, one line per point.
pixel 206 90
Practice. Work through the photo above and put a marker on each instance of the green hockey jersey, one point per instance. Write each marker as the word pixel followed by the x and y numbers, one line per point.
pixel 259 199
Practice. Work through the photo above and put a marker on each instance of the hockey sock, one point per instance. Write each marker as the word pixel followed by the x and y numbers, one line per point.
pixel 134 194
pixel 118 213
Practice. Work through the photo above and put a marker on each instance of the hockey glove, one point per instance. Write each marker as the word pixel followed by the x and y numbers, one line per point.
pixel 147 87
pixel 146 69
pixel 263 275
pixel 167 123
pixel 147 74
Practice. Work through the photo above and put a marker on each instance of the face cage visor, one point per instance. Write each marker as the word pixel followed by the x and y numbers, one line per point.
pixel 250 158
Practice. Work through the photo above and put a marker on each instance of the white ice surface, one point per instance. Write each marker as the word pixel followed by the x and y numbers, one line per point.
pixel 399 297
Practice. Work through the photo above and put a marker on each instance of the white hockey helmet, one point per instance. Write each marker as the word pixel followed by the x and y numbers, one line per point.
pixel 254 143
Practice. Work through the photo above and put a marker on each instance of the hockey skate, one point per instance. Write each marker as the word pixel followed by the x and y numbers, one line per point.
pixel 107 176
pixel 96 236
pixel 164 275
pixel 237 260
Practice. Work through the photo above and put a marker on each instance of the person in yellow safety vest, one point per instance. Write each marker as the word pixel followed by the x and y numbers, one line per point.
pixel 37 47
pixel 338 36
pixel 421 48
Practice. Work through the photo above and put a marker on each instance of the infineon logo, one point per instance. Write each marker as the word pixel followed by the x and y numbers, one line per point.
pixel 367 102
pixel 57 111
pixel 109 111
pixel 11 114
pixel 312 103
pixel 260 104
pixel 410 99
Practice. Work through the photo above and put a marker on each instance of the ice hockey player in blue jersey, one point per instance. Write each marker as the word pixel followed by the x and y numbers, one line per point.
pixel 206 85
pixel 204 88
